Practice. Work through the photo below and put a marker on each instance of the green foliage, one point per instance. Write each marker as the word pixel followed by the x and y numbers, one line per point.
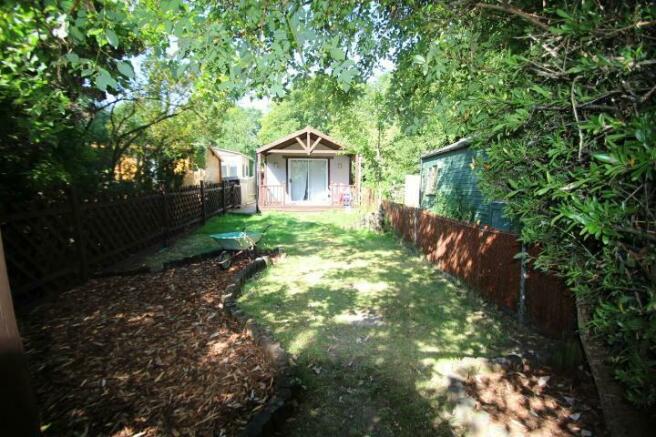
pixel 239 130
pixel 360 118
pixel 56 59
pixel 454 205
pixel 281 120
pixel 63 63
pixel 559 98
pixel 564 111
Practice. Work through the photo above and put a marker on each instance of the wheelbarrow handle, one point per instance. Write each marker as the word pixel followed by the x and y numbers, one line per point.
pixel 266 228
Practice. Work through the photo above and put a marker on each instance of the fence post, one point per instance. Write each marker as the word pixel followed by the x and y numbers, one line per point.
pixel 203 211
pixel 165 215
pixel 416 226
pixel 521 310
pixel 225 197
pixel 80 241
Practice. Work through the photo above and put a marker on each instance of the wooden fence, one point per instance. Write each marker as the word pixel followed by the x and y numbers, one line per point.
pixel 57 243
pixel 484 258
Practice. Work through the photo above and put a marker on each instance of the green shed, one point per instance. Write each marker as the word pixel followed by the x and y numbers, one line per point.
pixel 449 187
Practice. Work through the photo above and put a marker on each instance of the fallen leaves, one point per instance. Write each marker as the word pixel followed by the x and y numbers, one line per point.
pixel 150 354
pixel 533 401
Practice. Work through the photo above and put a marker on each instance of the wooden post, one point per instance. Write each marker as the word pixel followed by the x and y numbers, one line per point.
pixel 18 411
pixel 165 215
pixel 203 211
pixel 80 240
pixel 416 226
pixel 225 197
pixel 523 273
pixel 257 183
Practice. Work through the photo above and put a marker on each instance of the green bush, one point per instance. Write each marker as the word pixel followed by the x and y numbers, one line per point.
pixel 561 101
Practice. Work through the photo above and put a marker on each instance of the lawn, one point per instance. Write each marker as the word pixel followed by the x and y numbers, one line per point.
pixel 384 343
pixel 378 333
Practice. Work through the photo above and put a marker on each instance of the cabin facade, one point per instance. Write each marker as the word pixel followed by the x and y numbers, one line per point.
pixel 306 169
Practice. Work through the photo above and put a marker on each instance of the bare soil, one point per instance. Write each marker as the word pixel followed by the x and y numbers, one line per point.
pixel 149 354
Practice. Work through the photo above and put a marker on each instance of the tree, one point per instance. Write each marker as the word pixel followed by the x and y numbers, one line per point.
pixel 560 100
pixel 239 129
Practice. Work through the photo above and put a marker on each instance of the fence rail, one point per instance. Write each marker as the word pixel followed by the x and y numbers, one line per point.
pixel 64 242
pixel 484 258
pixel 277 196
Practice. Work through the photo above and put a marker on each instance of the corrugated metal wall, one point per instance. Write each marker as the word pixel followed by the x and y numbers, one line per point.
pixel 484 258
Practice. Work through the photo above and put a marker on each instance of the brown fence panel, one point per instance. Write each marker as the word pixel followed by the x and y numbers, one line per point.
pixel 214 198
pixel 235 195
pixel 184 208
pixel 499 275
pixel 115 228
pixel 550 305
pixel 408 215
pixel 458 250
pixel 485 260
pixel 426 231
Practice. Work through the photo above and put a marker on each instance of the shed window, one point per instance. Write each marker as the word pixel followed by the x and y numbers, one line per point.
pixel 228 171
pixel 431 180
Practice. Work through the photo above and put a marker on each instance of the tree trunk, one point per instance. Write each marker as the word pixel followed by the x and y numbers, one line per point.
pixel 622 419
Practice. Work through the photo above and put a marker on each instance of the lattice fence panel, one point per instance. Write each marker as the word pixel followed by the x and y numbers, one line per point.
pixel 40 249
pixel 213 198
pixel 114 229
pixel 56 242
pixel 184 208
pixel 235 196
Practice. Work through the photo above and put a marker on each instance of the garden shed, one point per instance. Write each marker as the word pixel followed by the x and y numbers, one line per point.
pixel 449 186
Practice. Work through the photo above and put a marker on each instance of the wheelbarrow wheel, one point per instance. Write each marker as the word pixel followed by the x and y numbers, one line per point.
pixel 225 260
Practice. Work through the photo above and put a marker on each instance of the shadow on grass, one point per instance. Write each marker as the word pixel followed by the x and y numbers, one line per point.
pixel 376 331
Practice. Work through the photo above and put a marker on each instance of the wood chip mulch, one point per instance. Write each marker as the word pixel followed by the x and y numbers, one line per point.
pixel 534 401
pixel 150 354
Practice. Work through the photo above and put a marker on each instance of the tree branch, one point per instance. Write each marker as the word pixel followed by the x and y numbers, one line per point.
pixel 534 19
pixel 576 117
pixel 157 119
pixel 649 93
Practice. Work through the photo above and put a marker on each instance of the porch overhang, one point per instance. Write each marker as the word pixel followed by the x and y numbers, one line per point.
pixel 307 141
pixel 304 153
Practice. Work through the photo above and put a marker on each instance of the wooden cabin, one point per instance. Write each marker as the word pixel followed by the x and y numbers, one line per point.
pixel 306 169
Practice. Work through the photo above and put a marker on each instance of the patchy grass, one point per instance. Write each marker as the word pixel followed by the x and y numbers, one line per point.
pixel 285 230
pixel 376 331
pixel 385 344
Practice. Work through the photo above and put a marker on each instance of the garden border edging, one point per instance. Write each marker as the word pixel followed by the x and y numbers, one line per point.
pixel 278 408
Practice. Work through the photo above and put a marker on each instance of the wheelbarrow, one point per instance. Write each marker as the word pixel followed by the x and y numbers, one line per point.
pixel 237 243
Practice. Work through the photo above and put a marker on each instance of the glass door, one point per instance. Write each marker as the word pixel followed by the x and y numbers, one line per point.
pixel 298 180
pixel 308 180
pixel 318 180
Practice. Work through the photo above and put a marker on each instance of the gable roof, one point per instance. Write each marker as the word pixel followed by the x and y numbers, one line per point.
pixel 219 152
pixel 307 134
